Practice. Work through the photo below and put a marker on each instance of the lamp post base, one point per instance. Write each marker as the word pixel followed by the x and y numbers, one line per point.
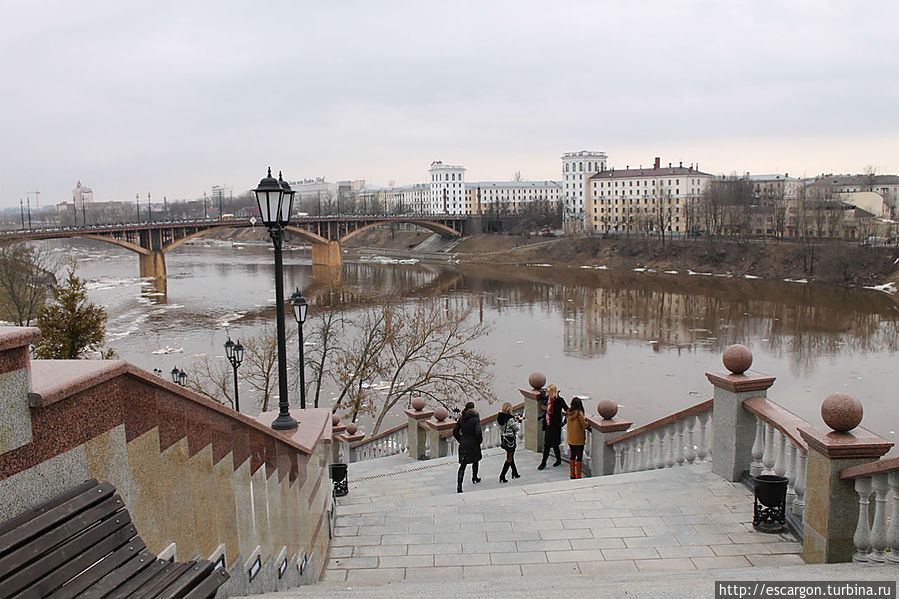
pixel 284 422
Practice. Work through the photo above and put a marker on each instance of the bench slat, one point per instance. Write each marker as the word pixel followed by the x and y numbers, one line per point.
pixel 209 586
pixel 42 521
pixel 20 557
pixel 53 570
pixel 47 505
pixel 163 579
pixel 133 584
pixel 188 580
pixel 98 570
pixel 120 575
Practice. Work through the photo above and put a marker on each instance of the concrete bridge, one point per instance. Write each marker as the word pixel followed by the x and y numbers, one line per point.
pixel 153 240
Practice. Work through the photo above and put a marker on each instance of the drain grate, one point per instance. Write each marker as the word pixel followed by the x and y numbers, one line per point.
pixel 405 471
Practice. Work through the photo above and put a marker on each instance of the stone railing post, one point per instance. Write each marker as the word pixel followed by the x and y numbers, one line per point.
pixel 15 385
pixel 336 430
pixel 534 408
pixel 347 438
pixel 437 431
pixel 602 456
pixel 733 428
pixel 417 432
pixel 831 503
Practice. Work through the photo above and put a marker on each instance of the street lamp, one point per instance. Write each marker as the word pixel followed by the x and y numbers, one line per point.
pixel 300 305
pixel 234 353
pixel 179 377
pixel 275 199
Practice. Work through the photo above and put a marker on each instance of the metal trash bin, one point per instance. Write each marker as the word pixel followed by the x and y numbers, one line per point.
pixel 769 514
pixel 339 476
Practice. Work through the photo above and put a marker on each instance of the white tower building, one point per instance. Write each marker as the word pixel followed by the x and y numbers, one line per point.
pixel 576 169
pixel 447 188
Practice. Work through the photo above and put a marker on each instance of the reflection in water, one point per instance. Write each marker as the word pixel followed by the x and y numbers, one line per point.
pixel 644 339
pixel 682 313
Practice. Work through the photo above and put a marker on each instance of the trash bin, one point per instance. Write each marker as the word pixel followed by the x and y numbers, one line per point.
pixel 769 514
pixel 339 476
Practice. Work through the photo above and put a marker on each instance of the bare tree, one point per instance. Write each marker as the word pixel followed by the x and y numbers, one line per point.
pixel 261 359
pixel 26 279
pixel 428 353
pixel 213 379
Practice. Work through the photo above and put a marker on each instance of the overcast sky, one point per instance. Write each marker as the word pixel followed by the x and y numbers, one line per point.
pixel 172 98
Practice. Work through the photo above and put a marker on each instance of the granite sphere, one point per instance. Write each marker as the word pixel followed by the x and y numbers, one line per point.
pixel 351 428
pixel 737 358
pixel 841 412
pixel 607 408
pixel 335 419
pixel 537 380
pixel 418 403
pixel 440 413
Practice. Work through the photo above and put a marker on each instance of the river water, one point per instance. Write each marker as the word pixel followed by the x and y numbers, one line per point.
pixel 644 339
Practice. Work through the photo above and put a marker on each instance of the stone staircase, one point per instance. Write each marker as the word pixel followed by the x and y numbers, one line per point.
pixel 403 531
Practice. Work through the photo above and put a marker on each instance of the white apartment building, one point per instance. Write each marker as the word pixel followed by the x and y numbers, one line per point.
pixel 576 169
pixel 509 197
pixel 447 189
pixel 645 200
pixel 408 199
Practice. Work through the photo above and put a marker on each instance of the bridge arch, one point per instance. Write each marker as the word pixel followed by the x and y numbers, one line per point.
pixel 119 242
pixel 438 228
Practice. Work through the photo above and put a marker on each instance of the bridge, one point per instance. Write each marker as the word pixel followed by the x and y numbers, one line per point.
pixel 153 240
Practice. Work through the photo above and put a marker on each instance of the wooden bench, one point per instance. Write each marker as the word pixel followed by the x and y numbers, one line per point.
pixel 83 543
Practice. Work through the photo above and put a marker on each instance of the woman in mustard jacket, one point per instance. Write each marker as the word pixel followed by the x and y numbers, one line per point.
pixel 576 435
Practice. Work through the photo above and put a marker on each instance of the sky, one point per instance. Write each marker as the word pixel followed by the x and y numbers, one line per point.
pixel 171 98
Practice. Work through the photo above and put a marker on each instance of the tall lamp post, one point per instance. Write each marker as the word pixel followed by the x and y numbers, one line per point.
pixel 275 199
pixel 300 305
pixel 234 353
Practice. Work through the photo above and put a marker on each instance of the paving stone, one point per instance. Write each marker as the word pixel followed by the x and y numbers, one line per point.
pixel 350 563
pixel 664 564
pixel 376 550
pixel 491 571
pixel 435 548
pixel 550 570
pixel 597 544
pixel 518 557
pixel 633 553
pixel 615 568
pixel 405 561
pixel 551 535
pixel 655 541
pixel 462 559
pixel 720 562
pixel 375 576
pixel 575 556
pixel 448 573
pixel 688 551
pixel 560 545
pixel 786 559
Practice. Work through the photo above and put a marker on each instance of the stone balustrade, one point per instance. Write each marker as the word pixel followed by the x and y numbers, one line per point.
pixel 779 449
pixel 679 439
pixel 387 443
pixel 876 536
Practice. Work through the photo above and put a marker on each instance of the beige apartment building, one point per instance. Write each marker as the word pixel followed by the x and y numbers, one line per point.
pixel 510 197
pixel 644 200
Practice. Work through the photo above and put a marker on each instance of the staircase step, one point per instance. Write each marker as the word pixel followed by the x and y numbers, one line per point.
pixel 643 585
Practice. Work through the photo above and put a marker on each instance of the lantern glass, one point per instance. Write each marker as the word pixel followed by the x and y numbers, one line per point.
pixel 229 348
pixel 300 306
pixel 269 195
pixel 238 353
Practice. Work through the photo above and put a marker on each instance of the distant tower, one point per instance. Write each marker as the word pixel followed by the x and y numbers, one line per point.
pixel 81 196
pixel 447 188
pixel 576 169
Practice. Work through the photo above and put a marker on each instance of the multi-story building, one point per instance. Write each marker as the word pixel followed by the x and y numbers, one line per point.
pixel 406 199
pixel 510 197
pixel 447 189
pixel 645 200
pixel 774 187
pixel 577 167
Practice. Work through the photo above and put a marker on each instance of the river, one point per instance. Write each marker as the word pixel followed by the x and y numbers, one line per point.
pixel 644 339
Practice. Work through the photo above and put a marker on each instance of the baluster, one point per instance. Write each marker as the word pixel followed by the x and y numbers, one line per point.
pixel 708 435
pixel 647 453
pixel 780 462
pixel 660 444
pixel 862 536
pixel 701 453
pixel 629 456
pixel 679 442
pixel 893 531
pixel 669 450
pixel 768 456
pixel 617 448
pixel 691 448
pixel 791 472
pixel 879 526
pixel 755 468
pixel 799 485
pixel 653 451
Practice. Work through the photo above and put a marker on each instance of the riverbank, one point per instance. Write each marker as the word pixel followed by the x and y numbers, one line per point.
pixel 830 262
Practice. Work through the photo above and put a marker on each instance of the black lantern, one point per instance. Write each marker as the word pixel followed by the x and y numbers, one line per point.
pixel 234 353
pixel 179 377
pixel 275 199
pixel 300 305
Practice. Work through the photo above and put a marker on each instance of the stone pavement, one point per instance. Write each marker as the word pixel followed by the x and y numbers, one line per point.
pixel 403 520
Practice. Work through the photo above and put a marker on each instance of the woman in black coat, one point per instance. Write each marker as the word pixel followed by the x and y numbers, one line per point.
pixel 468 433
pixel 552 425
